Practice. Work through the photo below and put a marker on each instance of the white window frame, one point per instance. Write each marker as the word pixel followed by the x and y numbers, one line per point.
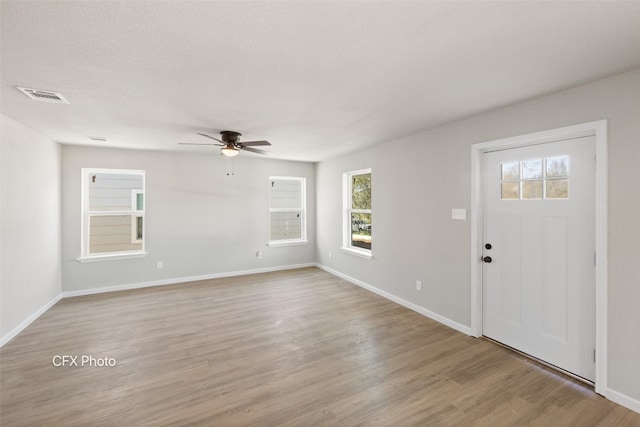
pixel 86 215
pixel 303 213
pixel 347 180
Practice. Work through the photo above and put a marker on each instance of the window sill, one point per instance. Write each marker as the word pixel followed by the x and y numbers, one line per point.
pixel 278 243
pixel 362 253
pixel 112 257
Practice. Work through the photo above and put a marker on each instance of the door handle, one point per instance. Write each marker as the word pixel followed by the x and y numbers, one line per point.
pixel 487 259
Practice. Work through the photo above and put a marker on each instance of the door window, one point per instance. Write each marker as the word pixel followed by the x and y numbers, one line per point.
pixel 535 179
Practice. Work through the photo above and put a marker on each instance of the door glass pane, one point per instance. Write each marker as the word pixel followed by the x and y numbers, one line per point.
pixel 558 166
pixel 532 189
pixel 361 230
pixel 557 188
pixel 510 170
pixel 532 169
pixel 510 190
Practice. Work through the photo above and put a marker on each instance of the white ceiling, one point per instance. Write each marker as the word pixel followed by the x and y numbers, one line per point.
pixel 316 79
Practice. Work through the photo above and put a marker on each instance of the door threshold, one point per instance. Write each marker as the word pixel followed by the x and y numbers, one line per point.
pixel 564 372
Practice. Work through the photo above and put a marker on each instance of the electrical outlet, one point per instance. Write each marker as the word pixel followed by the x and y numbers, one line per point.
pixel 418 285
pixel 258 254
pixel 159 265
pixel 330 255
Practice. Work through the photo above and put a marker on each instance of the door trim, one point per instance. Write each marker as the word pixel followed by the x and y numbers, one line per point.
pixel 597 129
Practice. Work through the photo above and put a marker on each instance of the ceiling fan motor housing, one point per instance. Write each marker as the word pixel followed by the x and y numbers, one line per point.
pixel 230 136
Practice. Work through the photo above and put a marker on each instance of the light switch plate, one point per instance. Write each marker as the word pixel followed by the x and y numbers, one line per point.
pixel 459 214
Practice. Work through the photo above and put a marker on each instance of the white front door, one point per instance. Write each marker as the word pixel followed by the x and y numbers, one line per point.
pixel 539 251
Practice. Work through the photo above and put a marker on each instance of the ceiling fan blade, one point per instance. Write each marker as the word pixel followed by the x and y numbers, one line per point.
pixel 254 143
pixel 254 150
pixel 209 136
pixel 197 143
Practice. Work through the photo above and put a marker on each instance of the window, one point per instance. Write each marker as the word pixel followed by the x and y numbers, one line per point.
pixel 536 179
pixel 287 210
pixel 112 213
pixel 357 220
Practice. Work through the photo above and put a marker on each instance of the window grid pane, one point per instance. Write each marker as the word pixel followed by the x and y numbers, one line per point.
pixel 557 167
pixel 510 190
pixel 510 171
pixel 112 191
pixel 557 188
pixel 285 194
pixel 531 169
pixel 361 191
pixel 361 230
pixel 112 233
pixel 286 225
pixel 532 189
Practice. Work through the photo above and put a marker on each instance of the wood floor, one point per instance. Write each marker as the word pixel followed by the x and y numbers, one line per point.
pixel 293 348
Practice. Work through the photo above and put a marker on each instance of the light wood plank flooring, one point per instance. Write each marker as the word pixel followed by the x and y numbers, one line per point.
pixel 293 348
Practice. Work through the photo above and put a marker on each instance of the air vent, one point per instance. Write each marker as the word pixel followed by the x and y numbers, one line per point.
pixel 97 138
pixel 43 95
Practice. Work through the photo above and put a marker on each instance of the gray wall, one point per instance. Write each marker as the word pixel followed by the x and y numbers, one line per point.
pixel 414 190
pixel 30 223
pixel 199 221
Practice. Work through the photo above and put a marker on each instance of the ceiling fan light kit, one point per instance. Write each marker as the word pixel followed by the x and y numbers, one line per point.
pixel 229 151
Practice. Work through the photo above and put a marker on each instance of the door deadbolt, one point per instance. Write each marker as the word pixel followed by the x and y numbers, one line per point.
pixel 487 259
pixel 488 246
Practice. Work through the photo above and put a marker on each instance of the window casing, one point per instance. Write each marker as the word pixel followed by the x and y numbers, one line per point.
pixel 113 211
pixel 287 210
pixel 357 222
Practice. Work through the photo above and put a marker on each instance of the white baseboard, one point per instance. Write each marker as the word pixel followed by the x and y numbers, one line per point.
pixel 624 400
pixel 29 320
pixel 428 313
pixel 176 280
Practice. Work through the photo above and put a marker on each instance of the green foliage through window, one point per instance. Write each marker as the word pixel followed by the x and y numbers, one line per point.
pixel 359 218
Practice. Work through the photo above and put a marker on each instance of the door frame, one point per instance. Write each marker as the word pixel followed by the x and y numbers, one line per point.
pixel 597 129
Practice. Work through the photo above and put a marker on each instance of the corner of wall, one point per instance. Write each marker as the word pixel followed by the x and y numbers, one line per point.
pixel 30 259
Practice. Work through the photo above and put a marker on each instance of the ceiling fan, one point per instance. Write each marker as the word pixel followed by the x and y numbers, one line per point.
pixel 230 143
